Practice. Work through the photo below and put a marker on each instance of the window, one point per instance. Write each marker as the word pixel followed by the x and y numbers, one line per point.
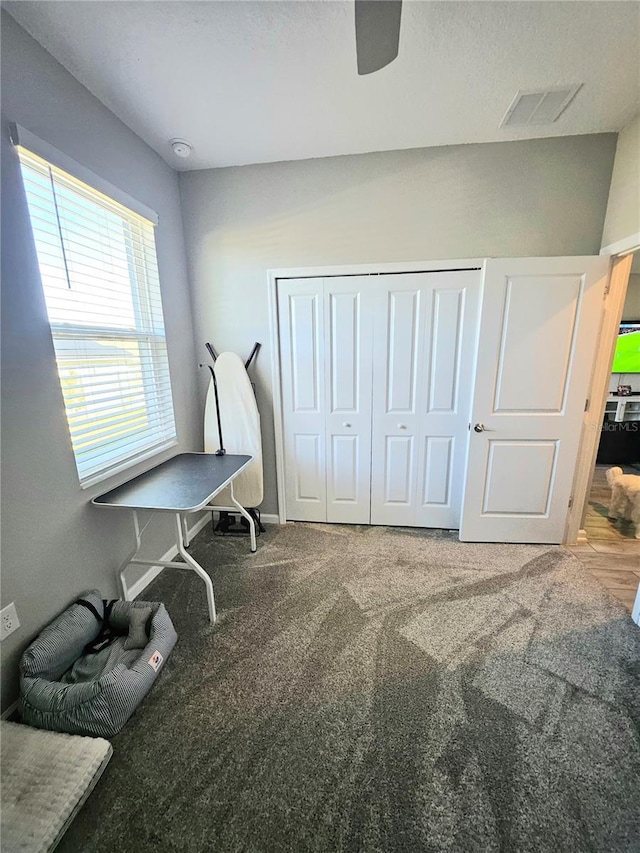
pixel 100 279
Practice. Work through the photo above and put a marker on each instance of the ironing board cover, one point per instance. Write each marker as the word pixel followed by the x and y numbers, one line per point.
pixel 240 428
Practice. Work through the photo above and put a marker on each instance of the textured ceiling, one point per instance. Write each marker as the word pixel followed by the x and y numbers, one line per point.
pixel 253 82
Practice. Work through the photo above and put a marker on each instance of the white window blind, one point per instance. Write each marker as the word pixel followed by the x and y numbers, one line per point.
pixel 99 274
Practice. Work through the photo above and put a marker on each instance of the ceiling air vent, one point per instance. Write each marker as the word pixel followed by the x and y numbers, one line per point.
pixel 536 107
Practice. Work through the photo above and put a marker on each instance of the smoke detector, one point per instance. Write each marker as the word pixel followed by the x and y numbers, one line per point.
pixel 539 106
pixel 181 148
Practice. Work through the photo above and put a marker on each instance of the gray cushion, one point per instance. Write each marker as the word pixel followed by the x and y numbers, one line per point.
pixel 138 637
pixel 61 643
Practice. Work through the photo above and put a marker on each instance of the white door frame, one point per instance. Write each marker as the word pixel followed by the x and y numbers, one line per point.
pixel 324 272
pixel 599 391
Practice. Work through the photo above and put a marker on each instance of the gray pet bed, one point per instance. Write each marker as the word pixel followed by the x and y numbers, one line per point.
pixel 65 688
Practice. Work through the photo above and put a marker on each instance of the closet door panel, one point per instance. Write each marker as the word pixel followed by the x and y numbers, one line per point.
pixel 402 324
pixel 398 325
pixel 437 471
pixel 451 310
pixel 301 318
pixel 398 476
pixel 348 341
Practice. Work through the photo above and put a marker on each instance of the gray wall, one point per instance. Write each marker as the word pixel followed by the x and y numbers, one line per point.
pixel 512 199
pixel 54 544
pixel 623 209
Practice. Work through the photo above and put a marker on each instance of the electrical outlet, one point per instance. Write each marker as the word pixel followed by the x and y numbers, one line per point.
pixel 9 621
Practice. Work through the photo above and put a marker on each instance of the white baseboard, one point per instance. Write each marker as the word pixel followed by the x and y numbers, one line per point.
pixel 143 582
pixel 10 710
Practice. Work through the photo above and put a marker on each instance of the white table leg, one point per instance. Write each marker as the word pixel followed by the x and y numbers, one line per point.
pixel 243 511
pixel 120 578
pixel 197 568
pixel 185 530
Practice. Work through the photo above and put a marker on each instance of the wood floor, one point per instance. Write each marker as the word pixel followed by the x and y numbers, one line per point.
pixel 612 553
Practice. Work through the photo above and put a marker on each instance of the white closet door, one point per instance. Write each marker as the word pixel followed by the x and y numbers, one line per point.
pixel 301 318
pixel 376 375
pixel 398 332
pixel 348 343
pixel 539 324
pixel 424 331
pixel 444 391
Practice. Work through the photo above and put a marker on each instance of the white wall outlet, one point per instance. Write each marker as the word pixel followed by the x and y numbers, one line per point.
pixel 9 621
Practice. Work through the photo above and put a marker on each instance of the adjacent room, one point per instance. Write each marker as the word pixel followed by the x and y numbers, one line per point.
pixel 320 426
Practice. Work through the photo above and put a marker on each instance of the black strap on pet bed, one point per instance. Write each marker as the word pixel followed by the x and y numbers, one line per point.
pixel 106 634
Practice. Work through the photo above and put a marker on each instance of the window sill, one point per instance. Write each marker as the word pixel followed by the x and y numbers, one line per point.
pixel 126 464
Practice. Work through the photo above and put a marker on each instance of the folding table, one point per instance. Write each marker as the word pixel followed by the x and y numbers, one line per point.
pixel 186 483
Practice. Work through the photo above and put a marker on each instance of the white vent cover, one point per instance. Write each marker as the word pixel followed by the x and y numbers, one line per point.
pixel 539 107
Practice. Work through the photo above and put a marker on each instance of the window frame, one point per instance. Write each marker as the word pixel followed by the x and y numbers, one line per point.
pixel 141 290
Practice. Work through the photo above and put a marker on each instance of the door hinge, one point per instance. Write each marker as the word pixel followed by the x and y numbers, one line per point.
pixel 607 287
pixel 586 404
pixel 570 502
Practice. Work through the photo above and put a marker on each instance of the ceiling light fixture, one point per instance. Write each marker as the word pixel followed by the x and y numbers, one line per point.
pixel 181 148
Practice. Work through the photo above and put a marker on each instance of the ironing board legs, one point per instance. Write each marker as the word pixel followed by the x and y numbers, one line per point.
pixel 243 512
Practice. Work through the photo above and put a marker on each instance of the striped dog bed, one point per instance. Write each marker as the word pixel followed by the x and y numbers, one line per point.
pixel 81 675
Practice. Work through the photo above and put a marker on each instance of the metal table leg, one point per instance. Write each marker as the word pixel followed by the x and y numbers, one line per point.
pixel 197 568
pixel 120 578
pixel 185 530
pixel 189 563
pixel 243 511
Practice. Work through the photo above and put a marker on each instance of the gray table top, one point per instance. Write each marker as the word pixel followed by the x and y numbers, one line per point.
pixel 185 483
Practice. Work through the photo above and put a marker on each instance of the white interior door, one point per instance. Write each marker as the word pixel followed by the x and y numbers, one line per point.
pixel 348 347
pixel 424 343
pixel 538 332
pixel 302 330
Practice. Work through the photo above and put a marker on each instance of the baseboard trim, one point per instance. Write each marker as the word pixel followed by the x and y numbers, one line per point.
pixel 152 573
pixel 10 711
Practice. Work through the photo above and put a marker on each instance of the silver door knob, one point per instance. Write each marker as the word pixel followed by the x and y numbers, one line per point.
pixel 345 424
pixel 478 428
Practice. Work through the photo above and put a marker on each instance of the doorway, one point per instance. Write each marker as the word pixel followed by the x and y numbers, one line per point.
pixel 610 550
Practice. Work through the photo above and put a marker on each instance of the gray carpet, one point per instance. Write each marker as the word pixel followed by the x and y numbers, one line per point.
pixel 376 689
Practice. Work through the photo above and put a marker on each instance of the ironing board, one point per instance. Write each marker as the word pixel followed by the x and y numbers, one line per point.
pixel 186 483
pixel 231 411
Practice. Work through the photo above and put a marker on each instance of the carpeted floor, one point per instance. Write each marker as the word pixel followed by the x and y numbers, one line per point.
pixel 377 689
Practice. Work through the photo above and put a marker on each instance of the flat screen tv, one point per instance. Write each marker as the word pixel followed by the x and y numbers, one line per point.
pixel 627 357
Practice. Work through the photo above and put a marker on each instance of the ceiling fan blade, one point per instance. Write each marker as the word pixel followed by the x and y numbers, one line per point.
pixel 377 33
